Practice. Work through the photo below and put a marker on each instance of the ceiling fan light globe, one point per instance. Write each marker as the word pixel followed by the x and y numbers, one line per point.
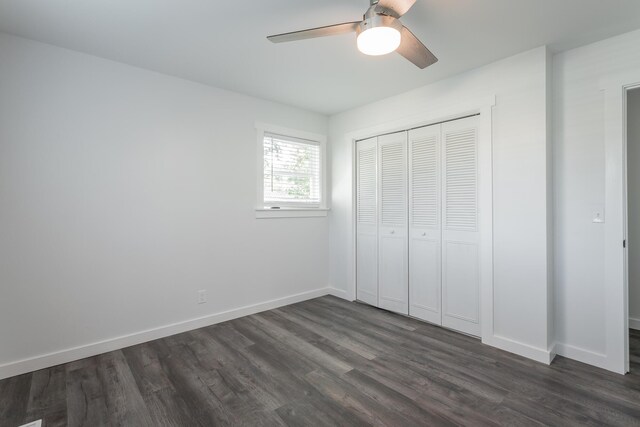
pixel 377 41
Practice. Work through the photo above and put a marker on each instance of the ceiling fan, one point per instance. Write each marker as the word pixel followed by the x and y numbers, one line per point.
pixel 380 32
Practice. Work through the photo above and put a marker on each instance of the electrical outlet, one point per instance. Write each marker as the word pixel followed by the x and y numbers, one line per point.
pixel 202 296
pixel 597 214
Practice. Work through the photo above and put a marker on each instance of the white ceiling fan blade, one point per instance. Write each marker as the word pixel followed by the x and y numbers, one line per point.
pixel 330 30
pixel 413 49
pixel 395 8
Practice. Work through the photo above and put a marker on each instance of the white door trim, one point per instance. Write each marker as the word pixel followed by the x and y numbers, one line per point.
pixel 425 117
pixel 615 89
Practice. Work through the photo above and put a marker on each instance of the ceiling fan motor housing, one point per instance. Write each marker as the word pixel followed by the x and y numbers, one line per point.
pixel 376 20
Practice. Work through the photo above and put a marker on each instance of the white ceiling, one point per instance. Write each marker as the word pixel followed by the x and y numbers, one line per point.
pixel 223 44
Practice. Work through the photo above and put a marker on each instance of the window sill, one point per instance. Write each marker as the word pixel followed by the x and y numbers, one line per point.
pixel 291 213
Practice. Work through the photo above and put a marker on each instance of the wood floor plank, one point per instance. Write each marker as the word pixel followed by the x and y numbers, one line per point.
pixel 342 391
pixel 240 373
pixel 298 345
pixel 387 396
pixel 166 406
pixel 146 368
pixel 329 333
pixel 48 397
pixel 380 316
pixel 322 362
pixel 122 395
pixel 14 398
pixel 86 401
pixel 338 351
pixel 190 381
pixel 167 409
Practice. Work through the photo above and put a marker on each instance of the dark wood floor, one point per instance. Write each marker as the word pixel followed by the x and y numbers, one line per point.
pixel 321 362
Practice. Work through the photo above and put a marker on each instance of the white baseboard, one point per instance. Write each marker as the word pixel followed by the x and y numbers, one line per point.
pixel 553 351
pixel 521 349
pixel 69 355
pixel 634 323
pixel 582 355
pixel 340 293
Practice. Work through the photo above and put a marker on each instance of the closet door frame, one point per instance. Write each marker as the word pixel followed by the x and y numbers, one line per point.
pixel 425 117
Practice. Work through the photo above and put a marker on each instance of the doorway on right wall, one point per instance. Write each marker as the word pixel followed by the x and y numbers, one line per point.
pixel 633 224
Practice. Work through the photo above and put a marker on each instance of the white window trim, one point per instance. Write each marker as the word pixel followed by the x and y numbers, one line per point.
pixel 263 211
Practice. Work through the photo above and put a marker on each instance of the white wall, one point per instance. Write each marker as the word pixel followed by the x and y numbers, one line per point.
pixel 521 224
pixel 123 192
pixel 633 179
pixel 579 174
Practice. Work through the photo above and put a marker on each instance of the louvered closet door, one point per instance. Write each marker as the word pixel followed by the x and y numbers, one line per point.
pixel 392 223
pixel 424 224
pixel 460 236
pixel 367 221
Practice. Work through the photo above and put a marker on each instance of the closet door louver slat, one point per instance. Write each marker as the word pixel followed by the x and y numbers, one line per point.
pixel 366 186
pixel 424 182
pixel 461 180
pixel 393 183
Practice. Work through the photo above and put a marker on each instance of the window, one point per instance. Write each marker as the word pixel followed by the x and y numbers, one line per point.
pixel 291 172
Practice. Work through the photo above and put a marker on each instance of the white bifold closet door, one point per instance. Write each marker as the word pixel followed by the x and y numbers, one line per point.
pixel 392 223
pixel 367 221
pixel 460 234
pixel 443 225
pixel 424 224
pixel 417 249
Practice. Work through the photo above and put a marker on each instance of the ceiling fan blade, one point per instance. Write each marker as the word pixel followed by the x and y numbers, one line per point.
pixel 413 49
pixel 395 8
pixel 329 30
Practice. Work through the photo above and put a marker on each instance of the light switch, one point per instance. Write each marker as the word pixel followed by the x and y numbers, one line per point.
pixel 598 214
